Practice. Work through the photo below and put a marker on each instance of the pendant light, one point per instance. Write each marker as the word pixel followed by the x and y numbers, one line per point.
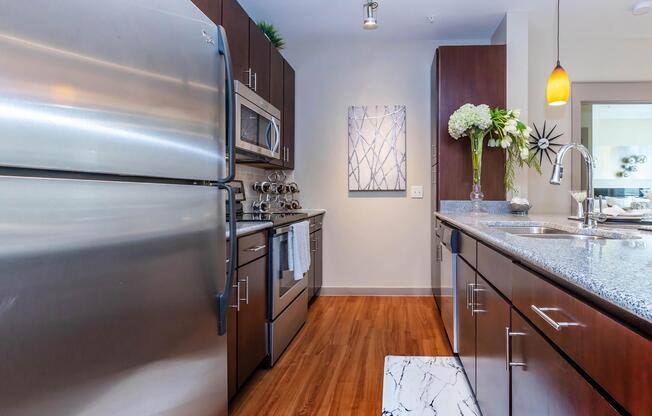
pixel 370 21
pixel 558 89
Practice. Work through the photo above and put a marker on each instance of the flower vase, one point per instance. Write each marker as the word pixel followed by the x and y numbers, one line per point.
pixel 476 157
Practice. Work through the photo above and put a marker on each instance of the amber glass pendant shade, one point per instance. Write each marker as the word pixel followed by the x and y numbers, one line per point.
pixel 558 89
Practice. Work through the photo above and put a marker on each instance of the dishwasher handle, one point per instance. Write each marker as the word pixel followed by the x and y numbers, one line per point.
pixel 451 239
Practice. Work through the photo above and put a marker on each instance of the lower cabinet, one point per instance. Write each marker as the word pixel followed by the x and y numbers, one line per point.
pixel 318 261
pixel 247 317
pixel 232 343
pixel 252 318
pixel 492 314
pixel 466 319
pixel 483 324
pixel 544 383
pixel 315 274
pixel 530 347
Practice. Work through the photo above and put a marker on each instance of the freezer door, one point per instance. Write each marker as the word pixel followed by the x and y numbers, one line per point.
pixel 107 298
pixel 128 87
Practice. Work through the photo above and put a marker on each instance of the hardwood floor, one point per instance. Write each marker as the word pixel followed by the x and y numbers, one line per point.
pixel 335 364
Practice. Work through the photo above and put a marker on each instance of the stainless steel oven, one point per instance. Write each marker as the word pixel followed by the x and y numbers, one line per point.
pixel 289 298
pixel 258 124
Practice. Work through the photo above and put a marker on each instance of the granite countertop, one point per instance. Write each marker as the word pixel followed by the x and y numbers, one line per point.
pixel 248 227
pixel 312 212
pixel 616 271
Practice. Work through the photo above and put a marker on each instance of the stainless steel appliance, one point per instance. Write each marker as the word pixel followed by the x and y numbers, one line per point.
pixel 446 295
pixel 113 287
pixel 288 297
pixel 258 124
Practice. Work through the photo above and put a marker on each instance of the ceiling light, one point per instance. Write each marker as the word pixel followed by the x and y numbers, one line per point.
pixel 558 89
pixel 641 8
pixel 370 15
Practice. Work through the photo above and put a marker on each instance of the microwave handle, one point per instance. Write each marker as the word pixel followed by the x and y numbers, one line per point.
pixel 277 131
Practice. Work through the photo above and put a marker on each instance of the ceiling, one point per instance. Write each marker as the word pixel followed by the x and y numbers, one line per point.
pixel 453 20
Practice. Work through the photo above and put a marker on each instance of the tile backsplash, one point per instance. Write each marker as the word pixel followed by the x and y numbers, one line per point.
pixel 251 174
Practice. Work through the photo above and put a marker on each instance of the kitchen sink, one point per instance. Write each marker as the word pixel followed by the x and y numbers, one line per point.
pixel 546 233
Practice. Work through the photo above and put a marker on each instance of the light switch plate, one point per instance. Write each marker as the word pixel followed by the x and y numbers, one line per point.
pixel 416 192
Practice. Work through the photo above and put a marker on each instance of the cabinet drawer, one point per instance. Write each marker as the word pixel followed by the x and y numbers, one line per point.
pixel 614 356
pixel 251 247
pixel 496 268
pixel 544 383
pixel 468 249
pixel 316 223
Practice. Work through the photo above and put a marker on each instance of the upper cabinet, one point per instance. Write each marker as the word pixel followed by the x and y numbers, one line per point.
pixel 236 24
pixel 466 74
pixel 276 67
pixel 211 8
pixel 259 61
pixel 287 117
pixel 260 66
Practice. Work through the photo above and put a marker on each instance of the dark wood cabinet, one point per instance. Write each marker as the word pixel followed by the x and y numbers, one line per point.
pixel 547 385
pixel 492 314
pixel 232 343
pixel 315 274
pixel 319 265
pixel 236 24
pixel 247 316
pixel 252 318
pixel 276 68
pixel 259 60
pixel 612 354
pixel 527 343
pixel 211 8
pixel 466 319
pixel 466 74
pixel 287 118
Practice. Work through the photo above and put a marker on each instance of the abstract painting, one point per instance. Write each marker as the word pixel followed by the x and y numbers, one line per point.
pixel 377 148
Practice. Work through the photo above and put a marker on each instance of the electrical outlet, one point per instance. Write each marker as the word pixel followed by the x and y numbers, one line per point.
pixel 416 192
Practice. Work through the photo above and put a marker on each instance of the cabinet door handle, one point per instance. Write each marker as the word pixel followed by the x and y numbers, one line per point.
pixel 255 76
pixel 474 301
pixel 237 304
pixel 246 282
pixel 508 349
pixel 249 73
pixel 469 304
pixel 255 249
pixel 557 325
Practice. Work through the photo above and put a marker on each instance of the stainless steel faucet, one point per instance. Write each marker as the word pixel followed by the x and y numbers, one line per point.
pixel 590 218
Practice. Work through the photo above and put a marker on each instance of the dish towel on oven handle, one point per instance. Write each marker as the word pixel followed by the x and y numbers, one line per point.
pixel 299 249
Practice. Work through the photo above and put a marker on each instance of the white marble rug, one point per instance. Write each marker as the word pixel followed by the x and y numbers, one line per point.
pixel 426 386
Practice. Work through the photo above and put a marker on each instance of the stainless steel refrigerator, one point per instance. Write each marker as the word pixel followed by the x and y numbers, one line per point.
pixel 116 123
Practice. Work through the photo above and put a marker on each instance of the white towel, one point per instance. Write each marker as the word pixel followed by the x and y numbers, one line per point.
pixel 299 249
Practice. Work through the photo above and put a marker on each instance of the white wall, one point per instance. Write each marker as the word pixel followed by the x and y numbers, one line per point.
pixel 372 241
pixel 602 58
pixel 513 32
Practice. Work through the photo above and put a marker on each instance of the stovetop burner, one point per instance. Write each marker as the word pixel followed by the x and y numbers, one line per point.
pixel 277 218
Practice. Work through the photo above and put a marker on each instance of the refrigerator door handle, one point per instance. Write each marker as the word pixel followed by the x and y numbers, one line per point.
pixel 223 297
pixel 223 48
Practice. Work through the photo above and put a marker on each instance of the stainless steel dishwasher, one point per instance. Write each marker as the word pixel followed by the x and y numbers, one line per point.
pixel 447 294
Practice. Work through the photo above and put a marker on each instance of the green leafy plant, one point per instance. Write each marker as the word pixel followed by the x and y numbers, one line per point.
pixel 511 134
pixel 272 34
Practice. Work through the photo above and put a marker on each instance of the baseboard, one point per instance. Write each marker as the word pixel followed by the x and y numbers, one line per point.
pixel 376 291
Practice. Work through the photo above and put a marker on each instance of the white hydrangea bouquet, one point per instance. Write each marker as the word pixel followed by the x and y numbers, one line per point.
pixel 505 131
pixel 475 123
pixel 508 132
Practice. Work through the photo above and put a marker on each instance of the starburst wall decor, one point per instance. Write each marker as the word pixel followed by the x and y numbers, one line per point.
pixel 544 142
